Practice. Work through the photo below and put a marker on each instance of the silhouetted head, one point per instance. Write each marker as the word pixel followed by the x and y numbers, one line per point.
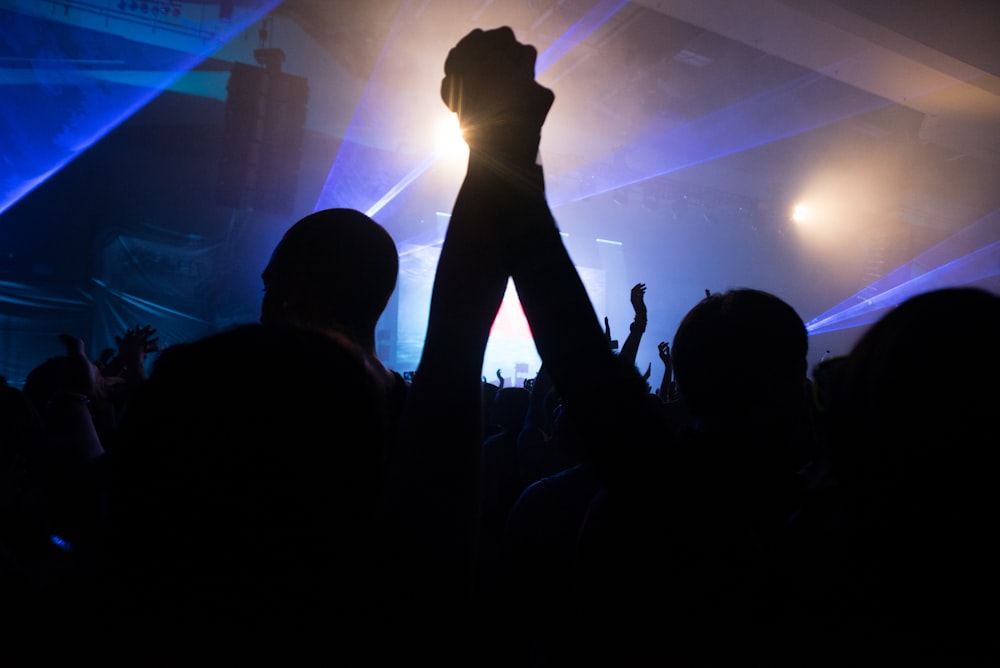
pixel 914 412
pixel 335 268
pixel 245 498
pixel 918 392
pixel 741 354
pixel 510 406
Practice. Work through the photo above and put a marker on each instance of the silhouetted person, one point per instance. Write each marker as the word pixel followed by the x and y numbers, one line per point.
pixel 334 271
pixel 903 558
pixel 500 482
pixel 500 228
pixel 72 398
pixel 25 521
pixel 243 502
pixel 680 541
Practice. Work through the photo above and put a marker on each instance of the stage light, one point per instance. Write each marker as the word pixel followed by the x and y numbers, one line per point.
pixel 801 213
pixel 449 139
pixel 352 149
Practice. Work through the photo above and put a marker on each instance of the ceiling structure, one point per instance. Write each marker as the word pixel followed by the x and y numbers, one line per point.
pixel 931 125
pixel 934 63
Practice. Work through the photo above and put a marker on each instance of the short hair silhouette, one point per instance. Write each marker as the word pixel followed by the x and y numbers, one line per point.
pixel 333 268
pixel 738 352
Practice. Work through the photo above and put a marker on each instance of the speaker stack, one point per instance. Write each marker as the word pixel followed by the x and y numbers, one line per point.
pixel 263 131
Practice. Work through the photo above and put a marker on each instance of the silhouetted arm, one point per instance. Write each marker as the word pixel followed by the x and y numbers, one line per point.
pixel 432 485
pixel 630 348
pixel 71 437
pixel 500 226
pixel 666 388
pixel 129 361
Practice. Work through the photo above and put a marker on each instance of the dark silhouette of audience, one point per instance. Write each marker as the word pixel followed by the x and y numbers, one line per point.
pixel 25 549
pixel 501 476
pixel 679 539
pixel 275 487
pixel 334 271
pixel 244 506
pixel 893 543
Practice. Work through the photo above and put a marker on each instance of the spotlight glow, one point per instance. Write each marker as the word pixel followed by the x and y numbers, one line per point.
pixel 339 189
pixel 801 213
pixel 449 138
pixel 818 100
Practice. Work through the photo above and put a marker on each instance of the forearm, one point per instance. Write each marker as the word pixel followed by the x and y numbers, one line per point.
pixel 563 322
pixel 630 347
pixel 666 389
pixel 432 491
pixel 607 395
pixel 71 437
pixel 469 286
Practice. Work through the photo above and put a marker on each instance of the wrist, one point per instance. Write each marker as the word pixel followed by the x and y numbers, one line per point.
pixel 514 181
pixel 504 160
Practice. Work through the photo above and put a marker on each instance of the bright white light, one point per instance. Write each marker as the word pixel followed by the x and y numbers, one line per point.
pixel 800 213
pixel 449 139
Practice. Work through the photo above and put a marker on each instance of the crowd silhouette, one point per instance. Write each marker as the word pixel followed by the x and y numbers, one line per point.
pixel 275 486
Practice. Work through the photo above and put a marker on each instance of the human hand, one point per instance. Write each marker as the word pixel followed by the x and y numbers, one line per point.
pixel 490 84
pixel 663 348
pixel 638 300
pixel 500 378
pixel 133 347
pixel 138 342
pixel 648 372
pixel 82 376
pixel 607 335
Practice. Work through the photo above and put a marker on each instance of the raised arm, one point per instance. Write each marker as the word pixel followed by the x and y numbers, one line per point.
pixel 129 361
pixel 666 389
pixel 500 226
pixel 62 389
pixel 432 485
pixel 630 348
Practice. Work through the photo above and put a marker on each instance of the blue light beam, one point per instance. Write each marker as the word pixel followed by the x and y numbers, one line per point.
pixel 970 255
pixel 59 98
pixel 806 103
pixel 348 183
pixel 579 31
